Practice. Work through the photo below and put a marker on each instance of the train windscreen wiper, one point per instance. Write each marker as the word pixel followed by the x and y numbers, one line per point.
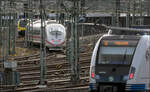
pixel 124 57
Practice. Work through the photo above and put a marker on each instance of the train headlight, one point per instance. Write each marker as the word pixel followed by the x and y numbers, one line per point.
pixel 93 72
pixel 93 75
pixel 131 76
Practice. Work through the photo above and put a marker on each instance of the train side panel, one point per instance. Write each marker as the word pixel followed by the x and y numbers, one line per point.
pixel 139 76
pixel 55 35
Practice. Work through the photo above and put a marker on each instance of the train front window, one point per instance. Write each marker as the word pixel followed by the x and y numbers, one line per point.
pixel 56 32
pixel 115 55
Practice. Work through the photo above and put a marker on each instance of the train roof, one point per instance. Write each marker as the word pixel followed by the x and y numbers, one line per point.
pixel 37 23
pixel 47 21
pixel 120 37
pixel 127 31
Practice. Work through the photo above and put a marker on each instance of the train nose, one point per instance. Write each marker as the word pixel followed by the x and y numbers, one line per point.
pixel 56 40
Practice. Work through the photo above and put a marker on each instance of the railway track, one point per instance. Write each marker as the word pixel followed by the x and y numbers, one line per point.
pixel 27 57
pixel 49 64
pixel 78 88
pixel 58 73
pixel 52 85
pixel 51 58
pixel 62 67
pixel 55 74
pixel 7 88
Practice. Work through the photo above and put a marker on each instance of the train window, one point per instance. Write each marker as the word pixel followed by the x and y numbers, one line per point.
pixel 115 55
pixel 55 32
pixel 36 32
pixel 51 22
pixel 119 43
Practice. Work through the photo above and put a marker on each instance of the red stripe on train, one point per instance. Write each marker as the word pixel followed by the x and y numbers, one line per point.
pixel 55 44
pixel 37 36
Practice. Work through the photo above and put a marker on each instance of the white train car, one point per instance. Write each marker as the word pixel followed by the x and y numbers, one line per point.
pixel 121 62
pixel 139 75
pixel 55 34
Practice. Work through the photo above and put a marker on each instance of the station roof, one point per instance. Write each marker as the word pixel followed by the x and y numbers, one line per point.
pixel 103 14
pixel 98 14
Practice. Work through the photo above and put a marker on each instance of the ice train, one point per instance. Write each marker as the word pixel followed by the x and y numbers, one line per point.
pixel 121 61
pixel 55 34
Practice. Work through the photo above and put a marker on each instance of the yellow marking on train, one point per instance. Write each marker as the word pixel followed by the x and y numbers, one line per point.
pixel 121 43
pixel 19 27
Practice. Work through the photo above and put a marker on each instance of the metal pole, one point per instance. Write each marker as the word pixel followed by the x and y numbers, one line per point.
pixel 113 20
pixel 29 23
pixel 82 13
pixel 12 28
pixel 6 34
pixel 42 47
pixel 26 31
pixel 14 34
pixel 117 12
pixel 57 10
pixel 75 45
pixel 128 14
pixel 9 30
pixel 31 3
pixel 1 39
pixel 133 16
pixel 0 5
pixel 141 12
pixel 112 15
pixel 68 41
pixel 31 31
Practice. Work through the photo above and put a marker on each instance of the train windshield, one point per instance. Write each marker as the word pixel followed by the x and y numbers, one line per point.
pixel 56 32
pixel 115 55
